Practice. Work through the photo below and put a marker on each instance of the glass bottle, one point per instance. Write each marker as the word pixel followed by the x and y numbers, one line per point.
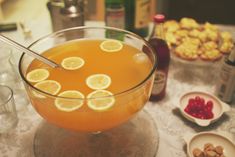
pixel 72 14
pixel 54 7
pixel 66 13
pixel 159 44
pixel 225 86
pixel 137 16
pixel 115 17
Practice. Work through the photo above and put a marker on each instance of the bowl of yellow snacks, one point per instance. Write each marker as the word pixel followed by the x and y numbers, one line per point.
pixel 191 41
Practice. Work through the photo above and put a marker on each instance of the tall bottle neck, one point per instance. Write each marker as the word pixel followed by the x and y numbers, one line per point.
pixel 159 31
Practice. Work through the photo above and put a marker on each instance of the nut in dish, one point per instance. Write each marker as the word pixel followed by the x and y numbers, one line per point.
pixel 209 151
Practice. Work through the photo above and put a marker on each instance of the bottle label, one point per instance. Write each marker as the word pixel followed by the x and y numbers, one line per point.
pixel 159 82
pixel 115 17
pixel 226 83
pixel 142 13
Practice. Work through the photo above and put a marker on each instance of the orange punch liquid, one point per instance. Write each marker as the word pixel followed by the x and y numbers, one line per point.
pixel 127 68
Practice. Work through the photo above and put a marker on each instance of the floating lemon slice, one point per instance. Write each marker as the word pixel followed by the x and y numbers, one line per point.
pixel 37 75
pixel 100 100
pixel 111 45
pixel 49 86
pixel 69 105
pixel 38 95
pixel 98 81
pixel 72 63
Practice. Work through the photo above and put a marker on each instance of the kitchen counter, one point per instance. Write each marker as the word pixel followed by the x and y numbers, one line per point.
pixel 171 125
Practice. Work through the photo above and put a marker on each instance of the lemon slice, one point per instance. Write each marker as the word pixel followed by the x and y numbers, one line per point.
pixel 98 81
pixel 111 46
pixel 38 95
pixel 72 63
pixel 100 100
pixel 37 75
pixel 69 105
pixel 49 86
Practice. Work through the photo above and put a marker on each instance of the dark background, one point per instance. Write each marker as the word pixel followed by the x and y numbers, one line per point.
pixel 214 11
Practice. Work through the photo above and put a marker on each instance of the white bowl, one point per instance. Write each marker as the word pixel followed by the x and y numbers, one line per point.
pixel 223 139
pixel 219 107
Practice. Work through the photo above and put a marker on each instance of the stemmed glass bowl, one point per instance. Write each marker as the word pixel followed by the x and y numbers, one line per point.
pixel 127 103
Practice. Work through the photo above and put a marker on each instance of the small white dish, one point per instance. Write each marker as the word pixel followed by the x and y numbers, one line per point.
pixel 223 139
pixel 219 107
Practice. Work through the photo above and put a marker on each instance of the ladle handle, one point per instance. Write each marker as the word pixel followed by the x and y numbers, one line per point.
pixel 28 51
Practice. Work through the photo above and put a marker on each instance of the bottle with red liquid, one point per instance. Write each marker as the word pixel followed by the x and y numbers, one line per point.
pixel 159 44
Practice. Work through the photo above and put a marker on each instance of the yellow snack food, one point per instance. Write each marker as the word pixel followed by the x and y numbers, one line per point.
pixel 171 26
pixel 188 23
pixel 210 26
pixel 171 39
pixel 212 35
pixel 190 40
pixel 226 36
pixel 209 45
pixel 226 47
pixel 211 55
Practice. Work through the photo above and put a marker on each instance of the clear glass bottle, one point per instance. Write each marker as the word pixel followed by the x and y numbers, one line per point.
pixel 138 16
pixel 115 17
pixel 225 86
pixel 159 44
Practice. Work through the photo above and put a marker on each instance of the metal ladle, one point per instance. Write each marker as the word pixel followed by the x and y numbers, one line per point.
pixel 28 51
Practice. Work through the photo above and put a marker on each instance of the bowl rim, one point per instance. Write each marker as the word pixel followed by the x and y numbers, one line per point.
pixel 151 73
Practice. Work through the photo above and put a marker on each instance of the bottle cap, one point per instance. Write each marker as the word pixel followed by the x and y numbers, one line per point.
pixel 159 18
